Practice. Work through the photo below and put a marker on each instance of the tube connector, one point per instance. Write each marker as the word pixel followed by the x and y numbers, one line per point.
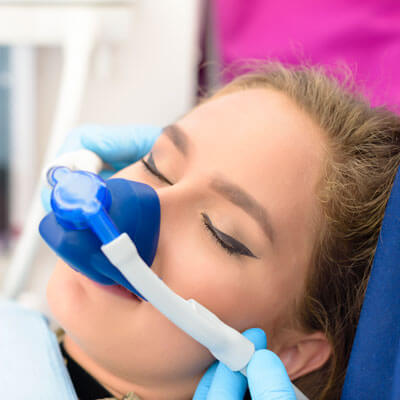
pixel 81 200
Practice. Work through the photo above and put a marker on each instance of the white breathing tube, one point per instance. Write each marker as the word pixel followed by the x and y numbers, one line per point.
pixel 225 343
pixel 190 316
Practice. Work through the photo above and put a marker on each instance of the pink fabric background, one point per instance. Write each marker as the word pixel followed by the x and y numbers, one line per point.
pixel 364 34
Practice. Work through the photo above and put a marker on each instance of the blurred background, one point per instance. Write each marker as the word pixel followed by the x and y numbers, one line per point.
pixel 4 134
pixel 64 63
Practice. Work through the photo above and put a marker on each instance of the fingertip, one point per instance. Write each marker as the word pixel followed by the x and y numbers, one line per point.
pixel 146 136
pixel 266 358
pixel 257 336
pixel 265 361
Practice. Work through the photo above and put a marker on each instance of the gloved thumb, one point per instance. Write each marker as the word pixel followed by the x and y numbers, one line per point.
pixel 120 145
pixel 267 377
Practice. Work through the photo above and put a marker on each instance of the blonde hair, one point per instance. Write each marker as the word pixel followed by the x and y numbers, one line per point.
pixel 362 161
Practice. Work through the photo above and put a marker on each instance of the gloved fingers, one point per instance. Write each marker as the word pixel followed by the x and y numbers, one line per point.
pixel 204 385
pixel 257 336
pixel 267 377
pixel 120 144
pixel 232 385
pixel 227 385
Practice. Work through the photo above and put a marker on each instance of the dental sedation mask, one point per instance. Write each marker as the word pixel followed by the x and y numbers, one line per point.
pixel 108 231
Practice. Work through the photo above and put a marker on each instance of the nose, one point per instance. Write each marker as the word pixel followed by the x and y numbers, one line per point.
pixel 178 204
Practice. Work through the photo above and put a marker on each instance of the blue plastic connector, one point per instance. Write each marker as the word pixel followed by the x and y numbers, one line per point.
pixel 89 212
pixel 80 200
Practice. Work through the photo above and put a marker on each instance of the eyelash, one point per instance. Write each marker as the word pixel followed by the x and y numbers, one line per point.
pixel 155 172
pixel 238 250
pixel 231 251
pixel 206 220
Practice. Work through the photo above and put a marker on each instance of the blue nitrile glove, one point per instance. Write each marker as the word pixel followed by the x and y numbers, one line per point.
pixel 267 377
pixel 118 146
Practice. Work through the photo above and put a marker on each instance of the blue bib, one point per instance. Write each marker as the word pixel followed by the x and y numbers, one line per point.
pixel 31 364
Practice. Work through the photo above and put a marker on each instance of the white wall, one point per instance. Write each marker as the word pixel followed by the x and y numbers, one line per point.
pixel 152 74
pixel 152 78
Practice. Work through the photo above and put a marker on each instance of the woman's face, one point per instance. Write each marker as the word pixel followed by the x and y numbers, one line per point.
pixel 238 222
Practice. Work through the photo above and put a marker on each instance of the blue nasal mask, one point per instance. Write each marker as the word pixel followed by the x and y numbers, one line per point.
pixel 109 232
pixel 89 212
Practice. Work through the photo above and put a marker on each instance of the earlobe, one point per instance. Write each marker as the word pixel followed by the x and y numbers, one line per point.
pixel 308 354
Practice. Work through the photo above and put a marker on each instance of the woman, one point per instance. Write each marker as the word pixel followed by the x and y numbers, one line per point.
pixel 272 195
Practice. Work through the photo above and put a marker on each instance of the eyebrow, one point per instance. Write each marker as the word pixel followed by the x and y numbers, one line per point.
pixel 232 192
pixel 178 138
pixel 251 206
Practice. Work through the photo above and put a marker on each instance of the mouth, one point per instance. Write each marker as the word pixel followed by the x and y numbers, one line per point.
pixel 118 290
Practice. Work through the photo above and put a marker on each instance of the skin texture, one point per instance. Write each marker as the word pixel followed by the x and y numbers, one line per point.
pixel 259 140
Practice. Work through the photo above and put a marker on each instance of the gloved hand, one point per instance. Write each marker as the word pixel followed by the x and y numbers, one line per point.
pixel 119 146
pixel 266 377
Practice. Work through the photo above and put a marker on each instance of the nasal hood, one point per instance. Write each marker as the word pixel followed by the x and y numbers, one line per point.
pixel 134 209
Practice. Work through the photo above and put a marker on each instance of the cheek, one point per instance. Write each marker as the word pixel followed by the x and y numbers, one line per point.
pixel 241 296
pixel 66 296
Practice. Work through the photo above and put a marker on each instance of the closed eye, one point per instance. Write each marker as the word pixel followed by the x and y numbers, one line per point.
pixel 151 167
pixel 228 243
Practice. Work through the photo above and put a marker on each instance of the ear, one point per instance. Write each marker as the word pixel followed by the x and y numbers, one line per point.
pixel 308 353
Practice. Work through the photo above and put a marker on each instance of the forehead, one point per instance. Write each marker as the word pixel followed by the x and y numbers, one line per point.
pixel 262 141
pixel 258 130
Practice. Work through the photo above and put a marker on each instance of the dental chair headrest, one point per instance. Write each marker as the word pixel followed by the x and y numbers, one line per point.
pixel 374 367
